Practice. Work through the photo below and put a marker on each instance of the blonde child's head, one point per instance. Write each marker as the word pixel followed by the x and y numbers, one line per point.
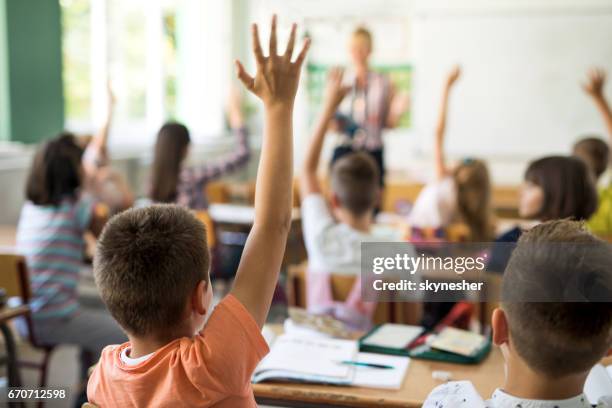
pixel 473 188
pixel 152 270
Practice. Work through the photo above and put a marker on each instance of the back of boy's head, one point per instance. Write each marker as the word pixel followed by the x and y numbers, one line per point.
pixel 595 153
pixel 558 338
pixel 55 173
pixel 148 262
pixel 355 182
pixel 474 198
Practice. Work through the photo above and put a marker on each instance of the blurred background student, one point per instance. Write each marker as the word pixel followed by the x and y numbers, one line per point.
pixel 173 181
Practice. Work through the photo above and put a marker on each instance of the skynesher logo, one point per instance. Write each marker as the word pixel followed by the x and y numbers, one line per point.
pixel 423 263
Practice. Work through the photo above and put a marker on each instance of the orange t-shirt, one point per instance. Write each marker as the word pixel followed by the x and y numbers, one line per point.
pixel 213 368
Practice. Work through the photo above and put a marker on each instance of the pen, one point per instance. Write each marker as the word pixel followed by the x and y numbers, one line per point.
pixel 371 365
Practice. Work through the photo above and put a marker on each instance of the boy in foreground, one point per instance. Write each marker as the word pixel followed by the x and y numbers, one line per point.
pixel 152 269
pixel 549 347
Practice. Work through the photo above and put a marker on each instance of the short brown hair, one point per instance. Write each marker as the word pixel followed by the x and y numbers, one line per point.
pixel 148 261
pixel 595 153
pixel 559 338
pixel 569 190
pixel 55 173
pixel 355 181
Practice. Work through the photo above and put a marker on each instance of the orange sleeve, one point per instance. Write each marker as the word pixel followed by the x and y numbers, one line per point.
pixel 225 353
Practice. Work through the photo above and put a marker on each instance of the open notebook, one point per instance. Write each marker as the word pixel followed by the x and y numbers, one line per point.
pixel 598 383
pixel 295 358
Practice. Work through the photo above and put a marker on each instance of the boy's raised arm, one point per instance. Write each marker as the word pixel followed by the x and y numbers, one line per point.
pixel 275 83
pixel 439 158
pixel 594 87
pixel 334 94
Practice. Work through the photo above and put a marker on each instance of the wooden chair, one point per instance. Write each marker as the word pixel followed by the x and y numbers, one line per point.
pixel 386 312
pixel 211 236
pixel 15 280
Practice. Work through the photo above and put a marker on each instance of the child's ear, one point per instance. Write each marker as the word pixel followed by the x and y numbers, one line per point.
pixel 198 301
pixel 335 201
pixel 499 323
pixel 609 353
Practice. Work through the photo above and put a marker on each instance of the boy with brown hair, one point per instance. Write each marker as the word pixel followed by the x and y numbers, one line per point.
pixel 333 233
pixel 549 346
pixel 152 270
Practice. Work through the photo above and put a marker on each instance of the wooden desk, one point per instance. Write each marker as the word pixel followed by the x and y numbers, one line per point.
pixel 6 314
pixel 418 383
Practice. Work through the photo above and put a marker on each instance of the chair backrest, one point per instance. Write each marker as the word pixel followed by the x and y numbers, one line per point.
pixel 14 275
pixel 341 286
pixel 211 236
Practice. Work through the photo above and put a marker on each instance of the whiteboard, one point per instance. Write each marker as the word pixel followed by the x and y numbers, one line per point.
pixel 520 93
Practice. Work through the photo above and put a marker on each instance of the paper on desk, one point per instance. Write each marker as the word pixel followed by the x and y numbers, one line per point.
pixel 395 336
pixel 391 379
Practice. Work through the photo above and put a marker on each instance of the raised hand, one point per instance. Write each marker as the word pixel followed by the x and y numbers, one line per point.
pixel 453 76
pixel 595 84
pixel 335 90
pixel 277 77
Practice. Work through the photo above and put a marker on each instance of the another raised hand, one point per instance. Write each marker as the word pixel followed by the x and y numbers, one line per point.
pixel 439 158
pixel 277 76
pixel 335 92
pixel 595 83
pixel 594 87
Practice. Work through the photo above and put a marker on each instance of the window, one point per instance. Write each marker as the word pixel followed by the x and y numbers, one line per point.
pixel 157 56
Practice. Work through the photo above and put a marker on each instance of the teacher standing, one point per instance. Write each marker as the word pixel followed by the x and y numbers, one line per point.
pixel 372 104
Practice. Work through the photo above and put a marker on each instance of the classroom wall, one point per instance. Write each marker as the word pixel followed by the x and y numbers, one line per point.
pixel 547 28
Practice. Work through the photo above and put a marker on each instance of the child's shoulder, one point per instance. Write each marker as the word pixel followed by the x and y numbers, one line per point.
pixel 455 394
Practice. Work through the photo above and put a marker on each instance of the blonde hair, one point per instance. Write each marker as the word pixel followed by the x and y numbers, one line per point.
pixel 364 34
pixel 473 188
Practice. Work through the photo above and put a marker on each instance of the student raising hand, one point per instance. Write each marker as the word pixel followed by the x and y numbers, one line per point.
pixel 594 87
pixel 275 83
pixel 440 162
pixel 277 77
pixel 335 91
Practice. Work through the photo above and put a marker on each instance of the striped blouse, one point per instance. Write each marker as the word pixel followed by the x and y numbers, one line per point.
pixel 51 239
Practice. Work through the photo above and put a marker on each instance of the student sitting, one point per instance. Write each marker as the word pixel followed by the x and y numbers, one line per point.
pixel 174 182
pixel 555 187
pixel 548 347
pixel 596 153
pixel 50 236
pixel 333 236
pixel 152 270
pixel 458 195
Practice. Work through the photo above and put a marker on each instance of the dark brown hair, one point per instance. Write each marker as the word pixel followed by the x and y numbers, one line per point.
pixel 474 198
pixel 148 261
pixel 55 174
pixel 569 191
pixel 595 153
pixel 559 338
pixel 170 149
pixel 355 181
